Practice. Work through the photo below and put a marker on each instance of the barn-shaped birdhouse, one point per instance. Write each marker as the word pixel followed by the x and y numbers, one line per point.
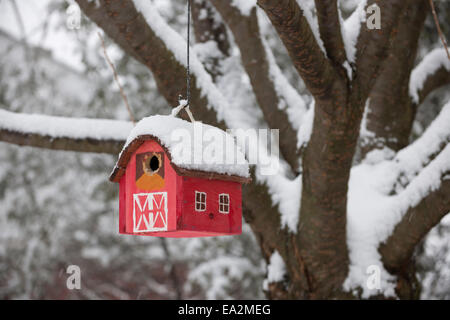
pixel 180 179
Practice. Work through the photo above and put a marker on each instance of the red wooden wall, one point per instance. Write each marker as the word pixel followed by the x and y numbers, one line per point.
pixel 182 219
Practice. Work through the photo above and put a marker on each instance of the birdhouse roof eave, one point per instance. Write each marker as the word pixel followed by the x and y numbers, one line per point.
pixel 128 151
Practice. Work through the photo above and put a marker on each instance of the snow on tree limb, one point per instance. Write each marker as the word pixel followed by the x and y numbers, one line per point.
pixel 177 46
pixel 164 56
pixel 352 27
pixel 61 133
pixel 266 79
pixel 375 212
pixel 212 43
pixel 414 226
pixel 309 11
pixel 412 159
pixel 244 6
pixel 276 270
pixel 303 46
pixel 432 72
pixel 291 100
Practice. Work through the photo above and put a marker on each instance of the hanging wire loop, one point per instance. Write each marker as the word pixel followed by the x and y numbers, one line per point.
pixel 184 103
pixel 188 75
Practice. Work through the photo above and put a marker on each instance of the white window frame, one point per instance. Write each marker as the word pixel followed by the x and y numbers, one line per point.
pixel 200 202
pixel 224 205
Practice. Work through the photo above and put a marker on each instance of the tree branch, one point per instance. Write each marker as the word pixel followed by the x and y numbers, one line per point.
pixel 65 144
pixel 389 98
pixel 295 32
pixel 431 73
pixel 209 27
pixel 128 28
pixel 330 30
pixel 246 33
pixel 423 169
pixel 60 133
pixel 373 45
pixel 415 224
pixel 264 218
pixel 434 81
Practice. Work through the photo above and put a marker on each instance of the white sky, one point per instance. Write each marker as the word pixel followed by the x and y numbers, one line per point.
pixel 34 14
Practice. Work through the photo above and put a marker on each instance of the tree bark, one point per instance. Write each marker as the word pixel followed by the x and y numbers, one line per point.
pixel 391 112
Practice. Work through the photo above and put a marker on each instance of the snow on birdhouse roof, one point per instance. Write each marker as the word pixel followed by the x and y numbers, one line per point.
pixel 194 149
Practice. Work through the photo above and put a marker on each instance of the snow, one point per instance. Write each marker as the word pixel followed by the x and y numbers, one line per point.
pixel 373 211
pixel 378 155
pixel 181 105
pixel 308 8
pixel 436 260
pixel 244 6
pixel 352 28
pixel 349 70
pixel 433 61
pixel 63 127
pixel 286 193
pixel 414 157
pixel 276 270
pixel 216 274
pixel 365 134
pixel 194 146
pixel 290 99
pixel 274 173
pixel 304 133
pixel 207 50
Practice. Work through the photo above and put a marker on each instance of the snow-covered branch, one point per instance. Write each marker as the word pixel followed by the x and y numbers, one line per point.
pixel 212 45
pixel 302 44
pixel 396 202
pixel 432 72
pixel 425 168
pixel 412 159
pixel 61 133
pixel 149 39
pixel 415 224
pixel 269 84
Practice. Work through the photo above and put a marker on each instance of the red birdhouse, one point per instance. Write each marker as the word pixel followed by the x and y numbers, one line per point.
pixel 180 179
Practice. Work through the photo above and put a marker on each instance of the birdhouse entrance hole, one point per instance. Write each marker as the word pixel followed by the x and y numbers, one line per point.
pixel 152 164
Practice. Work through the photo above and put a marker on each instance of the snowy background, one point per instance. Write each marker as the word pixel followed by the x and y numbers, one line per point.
pixel 58 208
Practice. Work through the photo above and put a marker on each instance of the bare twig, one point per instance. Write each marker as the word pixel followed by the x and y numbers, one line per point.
pixel 441 35
pixel 116 78
pixel 19 19
pixel 173 272
pixel 23 34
